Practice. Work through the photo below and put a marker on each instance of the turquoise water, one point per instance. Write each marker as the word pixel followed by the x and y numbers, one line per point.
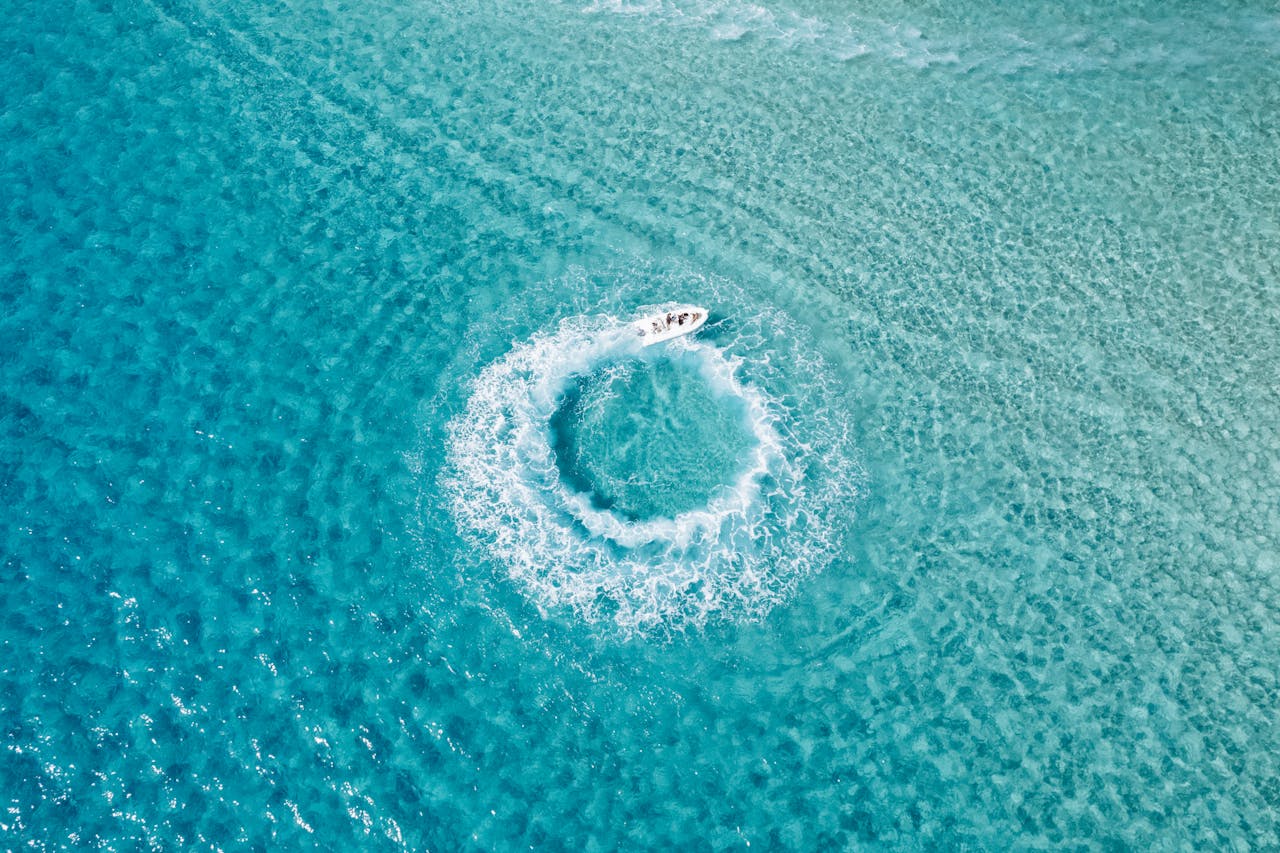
pixel 651 438
pixel 341 517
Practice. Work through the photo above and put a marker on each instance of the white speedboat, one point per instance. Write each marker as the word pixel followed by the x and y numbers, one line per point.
pixel 671 323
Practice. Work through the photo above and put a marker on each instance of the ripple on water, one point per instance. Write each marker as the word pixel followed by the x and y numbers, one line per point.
pixel 650 436
pixel 656 488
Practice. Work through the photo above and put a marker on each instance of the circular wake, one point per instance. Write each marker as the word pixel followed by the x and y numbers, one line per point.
pixel 593 537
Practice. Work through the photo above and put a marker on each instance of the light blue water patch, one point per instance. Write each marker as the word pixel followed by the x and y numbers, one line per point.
pixel 650 437
pixel 317 451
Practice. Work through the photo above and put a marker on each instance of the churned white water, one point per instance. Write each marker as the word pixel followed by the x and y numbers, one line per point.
pixel 737 554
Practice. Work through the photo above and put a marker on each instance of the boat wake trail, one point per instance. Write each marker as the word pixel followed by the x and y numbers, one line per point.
pixel 790 479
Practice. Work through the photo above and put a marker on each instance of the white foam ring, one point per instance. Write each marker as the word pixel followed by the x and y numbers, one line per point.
pixel 739 554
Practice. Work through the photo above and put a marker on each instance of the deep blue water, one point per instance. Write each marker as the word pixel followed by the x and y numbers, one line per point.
pixel 341 515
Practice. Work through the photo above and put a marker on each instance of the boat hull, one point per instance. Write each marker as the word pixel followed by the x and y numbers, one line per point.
pixel 672 323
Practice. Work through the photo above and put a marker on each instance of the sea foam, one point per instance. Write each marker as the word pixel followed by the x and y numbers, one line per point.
pixel 739 554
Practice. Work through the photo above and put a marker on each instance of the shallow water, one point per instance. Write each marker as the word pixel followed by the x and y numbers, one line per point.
pixel 650 437
pixel 316 444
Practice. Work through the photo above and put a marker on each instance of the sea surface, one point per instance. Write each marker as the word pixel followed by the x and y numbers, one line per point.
pixel 344 511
